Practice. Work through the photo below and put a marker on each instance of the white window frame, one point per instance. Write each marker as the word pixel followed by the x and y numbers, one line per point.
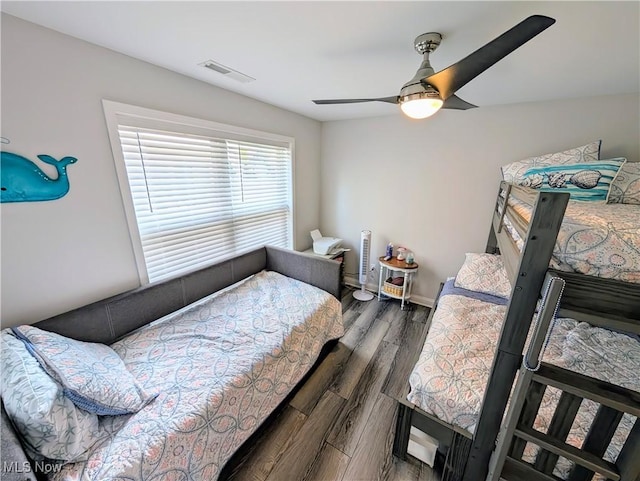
pixel 150 118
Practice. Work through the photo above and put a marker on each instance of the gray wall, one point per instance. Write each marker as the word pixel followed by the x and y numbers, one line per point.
pixel 430 185
pixel 62 254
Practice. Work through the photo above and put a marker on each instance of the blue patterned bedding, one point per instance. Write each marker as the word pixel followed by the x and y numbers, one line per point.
pixel 601 240
pixel 221 366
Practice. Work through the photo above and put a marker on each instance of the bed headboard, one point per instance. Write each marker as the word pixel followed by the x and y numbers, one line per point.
pixel 110 319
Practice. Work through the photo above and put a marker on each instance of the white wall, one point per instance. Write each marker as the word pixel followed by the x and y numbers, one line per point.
pixel 61 254
pixel 429 185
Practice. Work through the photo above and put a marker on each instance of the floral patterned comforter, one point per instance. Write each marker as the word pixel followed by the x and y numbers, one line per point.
pixel 601 240
pixel 450 376
pixel 221 365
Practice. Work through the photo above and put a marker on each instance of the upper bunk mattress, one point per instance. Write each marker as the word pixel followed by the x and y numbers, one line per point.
pixel 601 240
pixel 450 377
pixel 221 366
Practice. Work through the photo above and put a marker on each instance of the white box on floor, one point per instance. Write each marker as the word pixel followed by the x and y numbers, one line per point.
pixel 422 446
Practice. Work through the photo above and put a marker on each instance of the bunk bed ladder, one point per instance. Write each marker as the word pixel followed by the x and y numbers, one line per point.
pixel 614 402
pixel 586 461
pixel 506 462
pixel 527 394
pixel 527 268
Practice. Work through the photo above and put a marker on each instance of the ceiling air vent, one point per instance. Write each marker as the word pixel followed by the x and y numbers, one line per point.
pixel 227 72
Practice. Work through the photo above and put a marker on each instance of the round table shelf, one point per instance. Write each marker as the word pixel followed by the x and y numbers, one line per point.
pixel 404 291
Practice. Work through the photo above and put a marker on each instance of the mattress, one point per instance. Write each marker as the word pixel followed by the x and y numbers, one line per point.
pixel 601 240
pixel 449 379
pixel 221 365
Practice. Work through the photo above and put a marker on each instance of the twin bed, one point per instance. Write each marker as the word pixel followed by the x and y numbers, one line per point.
pixel 463 378
pixel 221 366
pixel 215 352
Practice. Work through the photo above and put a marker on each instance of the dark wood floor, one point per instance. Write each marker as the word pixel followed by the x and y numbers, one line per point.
pixel 340 425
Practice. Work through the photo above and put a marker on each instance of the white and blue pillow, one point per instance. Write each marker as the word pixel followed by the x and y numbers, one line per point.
pixel 514 172
pixel 50 425
pixel 625 188
pixel 585 181
pixel 484 273
pixel 92 375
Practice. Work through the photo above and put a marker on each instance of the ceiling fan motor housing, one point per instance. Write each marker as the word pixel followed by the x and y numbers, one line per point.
pixel 427 42
pixel 416 88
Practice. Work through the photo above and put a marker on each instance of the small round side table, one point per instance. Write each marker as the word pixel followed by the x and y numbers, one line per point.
pixel 387 289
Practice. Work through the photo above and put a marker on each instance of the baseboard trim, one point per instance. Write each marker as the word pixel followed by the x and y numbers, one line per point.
pixel 416 299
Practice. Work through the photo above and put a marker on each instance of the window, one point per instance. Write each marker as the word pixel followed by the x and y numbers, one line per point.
pixel 197 192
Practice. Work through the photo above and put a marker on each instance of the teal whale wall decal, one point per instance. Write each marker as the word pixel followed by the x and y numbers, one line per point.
pixel 23 181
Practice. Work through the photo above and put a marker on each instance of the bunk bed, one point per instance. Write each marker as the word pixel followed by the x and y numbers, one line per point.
pixel 541 261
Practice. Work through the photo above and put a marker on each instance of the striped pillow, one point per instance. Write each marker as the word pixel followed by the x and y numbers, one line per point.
pixel 586 181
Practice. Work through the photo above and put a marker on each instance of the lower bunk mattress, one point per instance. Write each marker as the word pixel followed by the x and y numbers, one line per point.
pixel 221 366
pixel 449 379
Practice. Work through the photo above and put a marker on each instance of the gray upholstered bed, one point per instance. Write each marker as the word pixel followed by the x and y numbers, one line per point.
pixel 127 322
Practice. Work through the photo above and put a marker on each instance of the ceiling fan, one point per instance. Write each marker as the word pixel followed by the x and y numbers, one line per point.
pixel 428 91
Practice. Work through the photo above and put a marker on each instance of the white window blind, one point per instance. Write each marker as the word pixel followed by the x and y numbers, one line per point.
pixel 200 198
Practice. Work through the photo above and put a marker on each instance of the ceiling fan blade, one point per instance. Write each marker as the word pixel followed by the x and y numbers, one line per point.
pixel 456 103
pixel 449 80
pixel 390 100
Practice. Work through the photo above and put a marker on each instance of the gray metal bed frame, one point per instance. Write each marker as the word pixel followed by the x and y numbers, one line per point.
pixel 601 302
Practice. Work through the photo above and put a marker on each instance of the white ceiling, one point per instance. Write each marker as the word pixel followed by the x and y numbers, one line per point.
pixel 299 51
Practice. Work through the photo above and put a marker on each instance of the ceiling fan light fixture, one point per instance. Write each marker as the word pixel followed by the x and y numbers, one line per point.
pixel 427 91
pixel 420 105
